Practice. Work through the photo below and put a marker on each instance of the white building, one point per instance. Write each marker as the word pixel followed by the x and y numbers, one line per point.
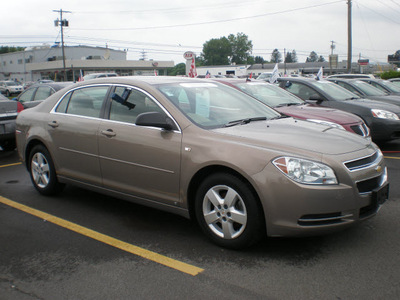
pixel 47 62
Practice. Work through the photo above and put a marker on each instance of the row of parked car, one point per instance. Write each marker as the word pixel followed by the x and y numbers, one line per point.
pixel 211 150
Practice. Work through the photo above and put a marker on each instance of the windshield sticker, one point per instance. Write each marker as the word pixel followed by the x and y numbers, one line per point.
pixel 198 85
pixel 202 106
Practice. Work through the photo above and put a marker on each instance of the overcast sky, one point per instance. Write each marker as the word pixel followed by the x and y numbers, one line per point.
pixel 164 30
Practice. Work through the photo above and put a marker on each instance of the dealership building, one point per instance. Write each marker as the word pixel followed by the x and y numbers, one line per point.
pixel 45 62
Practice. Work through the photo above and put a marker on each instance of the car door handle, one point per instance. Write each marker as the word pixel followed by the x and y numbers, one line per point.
pixel 53 124
pixel 108 133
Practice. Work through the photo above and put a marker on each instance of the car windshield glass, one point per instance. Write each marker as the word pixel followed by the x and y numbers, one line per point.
pixel 338 93
pixel 11 83
pixel 269 94
pixel 368 89
pixel 213 105
pixel 391 86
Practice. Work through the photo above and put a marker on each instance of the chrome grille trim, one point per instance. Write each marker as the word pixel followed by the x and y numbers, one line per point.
pixel 364 162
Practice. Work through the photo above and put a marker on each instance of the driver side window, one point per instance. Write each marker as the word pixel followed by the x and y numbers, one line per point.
pixel 128 103
pixel 301 90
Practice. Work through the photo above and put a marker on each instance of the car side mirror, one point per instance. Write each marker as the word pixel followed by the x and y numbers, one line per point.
pixel 315 98
pixel 155 119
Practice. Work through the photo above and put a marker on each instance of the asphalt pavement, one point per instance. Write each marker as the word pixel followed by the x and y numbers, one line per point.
pixel 83 245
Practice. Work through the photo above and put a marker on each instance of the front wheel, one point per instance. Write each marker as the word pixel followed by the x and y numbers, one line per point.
pixel 8 94
pixel 42 171
pixel 229 212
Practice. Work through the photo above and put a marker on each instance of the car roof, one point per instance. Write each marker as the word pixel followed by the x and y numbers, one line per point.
pixel 151 80
pixel 55 85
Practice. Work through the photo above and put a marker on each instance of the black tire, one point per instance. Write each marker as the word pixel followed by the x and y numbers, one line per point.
pixel 8 93
pixel 42 171
pixel 237 222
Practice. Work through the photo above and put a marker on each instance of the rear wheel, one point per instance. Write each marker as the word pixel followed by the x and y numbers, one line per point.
pixel 42 171
pixel 229 212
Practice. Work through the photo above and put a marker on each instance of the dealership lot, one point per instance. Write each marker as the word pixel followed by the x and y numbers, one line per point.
pixel 83 245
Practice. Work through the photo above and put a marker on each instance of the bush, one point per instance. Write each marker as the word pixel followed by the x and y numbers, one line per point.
pixel 390 74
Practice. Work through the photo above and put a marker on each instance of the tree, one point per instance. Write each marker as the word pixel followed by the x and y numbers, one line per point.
pixel 259 60
pixel 179 69
pixel 217 51
pixel 276 56
pixel 321 58
pixel 241 47
pixel 313 57
pixel 291 57
pixel 8 49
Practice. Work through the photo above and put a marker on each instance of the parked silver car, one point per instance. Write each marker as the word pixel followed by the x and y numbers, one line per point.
pixel 204 150
pixel 10 87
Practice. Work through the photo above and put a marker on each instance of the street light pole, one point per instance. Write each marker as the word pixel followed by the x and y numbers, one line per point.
pixel 62 23
pixel 349 37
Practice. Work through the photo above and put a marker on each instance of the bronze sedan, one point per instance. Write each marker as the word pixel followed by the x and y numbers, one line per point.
pixel 204 150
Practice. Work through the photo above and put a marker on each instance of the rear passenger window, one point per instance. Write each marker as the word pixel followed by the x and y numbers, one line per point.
pixel 128 103
pixel 84 102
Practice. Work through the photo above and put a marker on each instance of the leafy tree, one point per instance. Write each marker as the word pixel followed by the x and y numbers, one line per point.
pixel 179 69
pixel 241 47
pixel 276 56
pixel 8 49
pixel 216 52
pixel 291 57
pixel 259 60
pixel 313 57
pixel 321 58
pixel 250 60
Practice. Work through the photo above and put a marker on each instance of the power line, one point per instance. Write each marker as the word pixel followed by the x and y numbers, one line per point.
pixel 210 22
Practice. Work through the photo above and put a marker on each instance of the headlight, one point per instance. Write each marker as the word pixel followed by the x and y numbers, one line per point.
pixel 323 122
pixel 305 171
pixel 384 114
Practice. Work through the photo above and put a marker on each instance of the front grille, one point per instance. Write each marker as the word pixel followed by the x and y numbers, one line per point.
pixel 363 162
pixel 362 129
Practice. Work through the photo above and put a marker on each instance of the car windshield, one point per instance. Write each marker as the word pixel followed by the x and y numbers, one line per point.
pixel 264 76
pixel 213 105
pixel 368 89
pixel 269 94
pixel 11 83
pixel 338 93
pixel 391 86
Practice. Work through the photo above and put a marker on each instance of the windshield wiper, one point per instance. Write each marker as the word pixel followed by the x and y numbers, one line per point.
pixel 353 98
pixel 288 104
pixel 245 121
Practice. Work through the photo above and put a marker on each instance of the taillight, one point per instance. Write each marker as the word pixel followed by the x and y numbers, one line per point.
pixel 20 107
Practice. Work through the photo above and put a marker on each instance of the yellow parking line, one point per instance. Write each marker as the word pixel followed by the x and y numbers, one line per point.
pixel 391 157
pixel 158 258
pixel 10 165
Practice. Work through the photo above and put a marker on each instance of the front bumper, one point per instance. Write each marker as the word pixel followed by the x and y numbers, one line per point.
pixel 294 209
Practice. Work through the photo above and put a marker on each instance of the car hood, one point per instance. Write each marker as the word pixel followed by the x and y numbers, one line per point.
pixel 369 103
pixel 388 99
pixel 309 111
pixel 290 135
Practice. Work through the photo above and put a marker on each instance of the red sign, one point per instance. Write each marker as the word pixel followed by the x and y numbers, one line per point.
pixel 189 55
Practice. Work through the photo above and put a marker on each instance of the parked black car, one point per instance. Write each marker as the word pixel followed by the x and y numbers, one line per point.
pixel 365 90
pixel 383 119
pixel 384 85
pixel 8 113
pixel 35 94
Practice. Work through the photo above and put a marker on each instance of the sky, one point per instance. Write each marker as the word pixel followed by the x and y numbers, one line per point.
pixel 164 30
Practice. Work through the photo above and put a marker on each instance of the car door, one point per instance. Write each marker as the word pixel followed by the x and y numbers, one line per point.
pixel 138 160
pixel 73 129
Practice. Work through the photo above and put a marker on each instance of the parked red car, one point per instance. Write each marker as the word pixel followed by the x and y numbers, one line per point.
pixel 288 104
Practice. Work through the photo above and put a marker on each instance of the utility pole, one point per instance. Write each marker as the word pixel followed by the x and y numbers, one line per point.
pixel 62 22
pixel 349 37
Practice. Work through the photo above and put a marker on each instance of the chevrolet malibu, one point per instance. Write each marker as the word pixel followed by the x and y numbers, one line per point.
pixel 205 151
